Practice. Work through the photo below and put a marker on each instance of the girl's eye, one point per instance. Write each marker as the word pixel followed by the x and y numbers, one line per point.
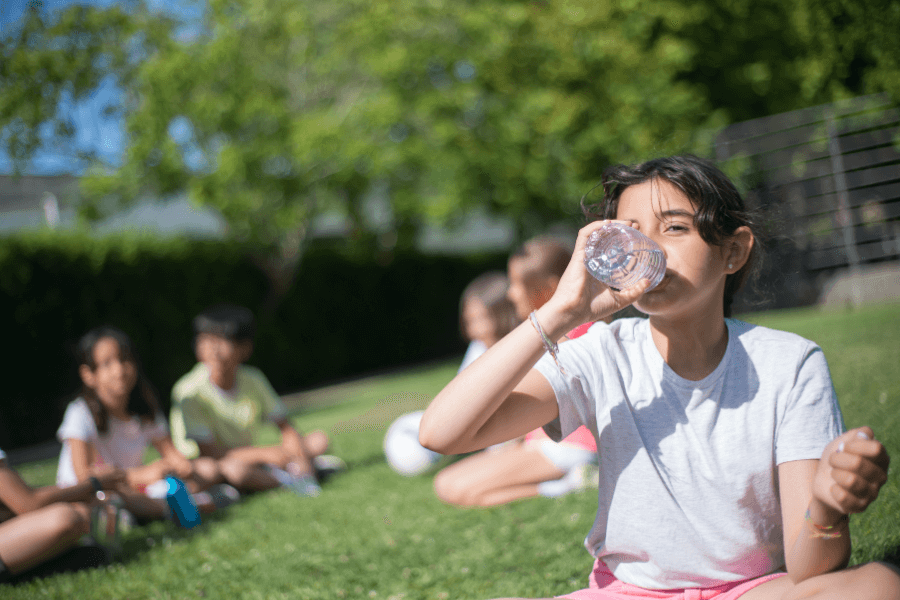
pixel 676 227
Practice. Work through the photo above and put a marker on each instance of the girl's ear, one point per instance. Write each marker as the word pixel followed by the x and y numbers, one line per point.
pixel 87 376
pixel 739 246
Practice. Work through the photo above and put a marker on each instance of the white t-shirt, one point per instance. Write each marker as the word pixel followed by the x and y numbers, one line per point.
pixel 688 493
pixel 476 348
pixel 123 445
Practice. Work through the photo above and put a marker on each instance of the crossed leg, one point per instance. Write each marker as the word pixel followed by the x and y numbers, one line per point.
pixel 495 477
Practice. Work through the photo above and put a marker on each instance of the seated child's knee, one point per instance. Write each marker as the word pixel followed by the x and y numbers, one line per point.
pixel 234 471
pixel 316 442
pixel 65 518
pixel 450 490
pixel 207 468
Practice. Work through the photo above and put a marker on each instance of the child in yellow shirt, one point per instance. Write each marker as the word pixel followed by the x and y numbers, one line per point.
pixel 218 406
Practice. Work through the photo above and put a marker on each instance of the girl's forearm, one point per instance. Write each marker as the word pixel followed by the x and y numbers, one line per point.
pixel 21 498
pixel 810 554
pixel 453 421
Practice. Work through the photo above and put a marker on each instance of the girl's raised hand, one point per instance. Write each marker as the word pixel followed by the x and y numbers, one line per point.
pixel 851 471
pixel 581 296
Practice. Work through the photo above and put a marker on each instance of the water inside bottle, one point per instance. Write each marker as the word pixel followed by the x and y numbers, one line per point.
pixel 620 257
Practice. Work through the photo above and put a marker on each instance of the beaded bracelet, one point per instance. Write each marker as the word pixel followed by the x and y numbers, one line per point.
pixel 827 533
pixel 549 345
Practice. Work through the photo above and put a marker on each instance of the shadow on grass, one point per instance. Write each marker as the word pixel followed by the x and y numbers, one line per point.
pixel 892 556
pixel 159 533
pixel 364 462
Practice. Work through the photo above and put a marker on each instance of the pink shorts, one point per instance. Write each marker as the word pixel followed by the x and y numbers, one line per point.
pixel 604 586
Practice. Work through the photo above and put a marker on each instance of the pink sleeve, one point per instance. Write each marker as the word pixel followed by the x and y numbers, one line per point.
pixel 537 434
pixel 580 330
pixel 581 437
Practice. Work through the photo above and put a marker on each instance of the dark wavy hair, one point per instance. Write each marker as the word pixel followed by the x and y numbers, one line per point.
pixel 719 207
pixel 142 400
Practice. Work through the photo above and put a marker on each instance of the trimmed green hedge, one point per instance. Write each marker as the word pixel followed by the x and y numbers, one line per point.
pixel 344 316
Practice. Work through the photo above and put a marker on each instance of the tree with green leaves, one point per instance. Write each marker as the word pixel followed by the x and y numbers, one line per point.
pixel 274 112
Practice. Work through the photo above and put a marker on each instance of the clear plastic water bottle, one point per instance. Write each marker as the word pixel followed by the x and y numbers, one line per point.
pixel 183 508
pixel 620 256
pixel 109 521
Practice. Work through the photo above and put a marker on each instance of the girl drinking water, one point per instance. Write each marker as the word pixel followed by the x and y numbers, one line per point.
pixel 114 420
pixel 724 468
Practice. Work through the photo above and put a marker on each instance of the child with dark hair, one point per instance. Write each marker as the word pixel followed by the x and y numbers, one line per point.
pixel 725 470
pixel 40 527
pixel 218 406
pixel 114 420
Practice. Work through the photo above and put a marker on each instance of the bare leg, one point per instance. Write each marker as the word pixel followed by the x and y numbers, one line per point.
pixel 32 538
pixel 144 507
pixel 871 581
pixel 491 478
pixel 247 477
pixel 206 474
pixel 253 455
pixel 315 443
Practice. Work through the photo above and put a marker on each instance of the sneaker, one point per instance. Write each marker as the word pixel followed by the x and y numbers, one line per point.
pixel 588 477
pixel 327 465
pixel 305 485
pixel 223 495
pixel 216 498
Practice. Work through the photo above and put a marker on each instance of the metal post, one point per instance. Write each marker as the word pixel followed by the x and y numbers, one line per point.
pixel 845 216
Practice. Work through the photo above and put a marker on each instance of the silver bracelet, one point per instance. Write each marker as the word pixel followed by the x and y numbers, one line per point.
pixel 549 345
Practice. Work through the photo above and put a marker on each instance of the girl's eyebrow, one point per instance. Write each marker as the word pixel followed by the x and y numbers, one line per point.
pixel 677 212
pixel 666 214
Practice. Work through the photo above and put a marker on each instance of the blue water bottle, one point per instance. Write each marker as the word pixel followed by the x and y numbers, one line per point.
pixel 181 503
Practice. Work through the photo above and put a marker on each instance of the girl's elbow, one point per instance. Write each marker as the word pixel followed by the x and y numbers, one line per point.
pixel 427 440
pixel 430 438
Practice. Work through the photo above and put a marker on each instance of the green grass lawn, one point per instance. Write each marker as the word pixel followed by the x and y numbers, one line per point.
pixel 374 534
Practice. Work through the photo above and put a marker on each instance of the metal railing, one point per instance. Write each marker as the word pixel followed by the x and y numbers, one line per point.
pixel 827 179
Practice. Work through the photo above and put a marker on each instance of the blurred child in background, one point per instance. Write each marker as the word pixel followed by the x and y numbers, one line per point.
pixel 485 314
pixel 534 465
pixel 40 527
pixel 218 406
pixel 113 422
